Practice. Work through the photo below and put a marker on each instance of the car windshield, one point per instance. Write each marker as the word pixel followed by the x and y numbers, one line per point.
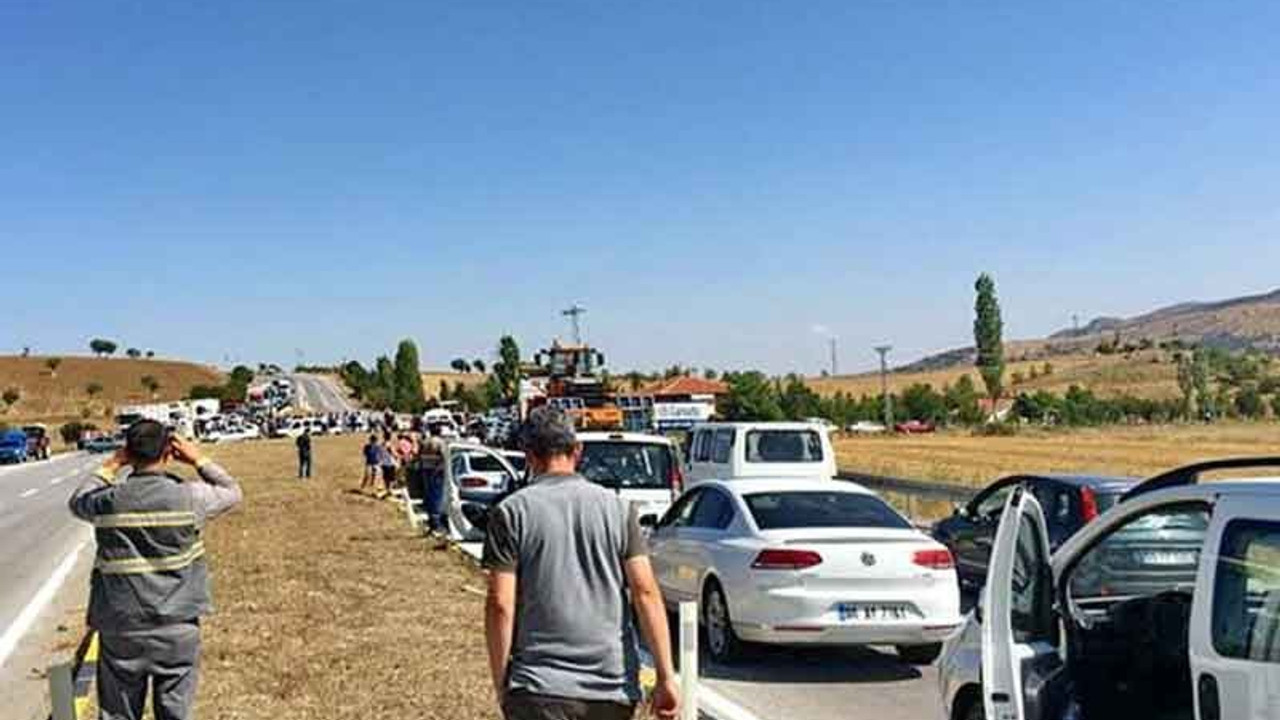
pixel 783 446
pixel 782 510
pixel 1106 501
pixel 621 464
pixel 486 464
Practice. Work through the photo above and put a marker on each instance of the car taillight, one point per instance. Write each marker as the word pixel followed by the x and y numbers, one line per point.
pixel 786 560
pixel 676 479
pixel 473 482
pixel 939 559
pixel 1088 504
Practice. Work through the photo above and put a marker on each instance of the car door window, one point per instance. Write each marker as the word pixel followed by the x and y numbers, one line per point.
pixel 459 465
pixel 714 512
pixel 990 505
pixel 682 511
pixel 1246 593
pixel 722 445
pixel 702 447
pixel 1032 599
pixel 1055 499
pixel 1154 552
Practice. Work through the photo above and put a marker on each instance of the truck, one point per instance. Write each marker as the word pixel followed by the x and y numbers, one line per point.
pixel 569 377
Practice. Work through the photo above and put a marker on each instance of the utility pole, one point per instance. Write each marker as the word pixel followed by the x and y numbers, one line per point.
pixel 573 313
pixel 1075 323
pixel 884 385
pixel 834 365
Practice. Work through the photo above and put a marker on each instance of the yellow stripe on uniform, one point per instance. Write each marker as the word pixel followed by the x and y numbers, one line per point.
pixel 175 518
pixel 140 565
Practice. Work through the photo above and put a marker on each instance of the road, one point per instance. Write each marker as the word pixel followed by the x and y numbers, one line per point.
pixel 45 554
pixel 319 394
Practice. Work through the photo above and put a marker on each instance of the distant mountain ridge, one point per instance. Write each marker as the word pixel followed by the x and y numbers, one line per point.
pixel 1240 323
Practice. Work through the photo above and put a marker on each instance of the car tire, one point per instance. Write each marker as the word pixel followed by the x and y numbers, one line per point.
pixel 975 711
pixel 723 645
pixel 919 654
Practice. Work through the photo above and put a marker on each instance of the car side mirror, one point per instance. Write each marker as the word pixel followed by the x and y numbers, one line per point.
pixel 960 510
pixel 649 521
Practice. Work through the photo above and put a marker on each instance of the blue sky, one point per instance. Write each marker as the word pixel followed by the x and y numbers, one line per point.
pixel 245 179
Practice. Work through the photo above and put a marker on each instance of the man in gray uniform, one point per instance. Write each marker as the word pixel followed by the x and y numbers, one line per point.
pixel 149 586
pixel 562 555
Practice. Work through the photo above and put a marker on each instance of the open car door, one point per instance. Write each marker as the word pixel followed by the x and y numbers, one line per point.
pixel 467 519
pixel 1023 674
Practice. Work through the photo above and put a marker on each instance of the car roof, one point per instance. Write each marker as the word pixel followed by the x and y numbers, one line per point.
pixel 759 425
pixel 746 486
pixel 607 436
pixel 1096 481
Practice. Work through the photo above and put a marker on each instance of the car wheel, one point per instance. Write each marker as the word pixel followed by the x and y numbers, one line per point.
pixel 976 711
pixel 723 644
pixel 920 654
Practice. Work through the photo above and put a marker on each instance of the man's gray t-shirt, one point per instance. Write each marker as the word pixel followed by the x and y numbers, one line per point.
pixel 567 540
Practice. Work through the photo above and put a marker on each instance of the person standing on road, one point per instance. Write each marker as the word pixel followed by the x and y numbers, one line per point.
pixel 562 555
pixel 149 586
pixel 304 454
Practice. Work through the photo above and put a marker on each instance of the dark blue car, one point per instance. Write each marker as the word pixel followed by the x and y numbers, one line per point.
pixel 1069 502
pixel 13 447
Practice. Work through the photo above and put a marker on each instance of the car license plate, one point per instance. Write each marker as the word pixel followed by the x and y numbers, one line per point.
pixel 1159 557
pixel 870 612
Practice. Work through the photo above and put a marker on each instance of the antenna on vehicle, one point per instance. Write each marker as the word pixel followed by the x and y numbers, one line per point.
pixel 573 313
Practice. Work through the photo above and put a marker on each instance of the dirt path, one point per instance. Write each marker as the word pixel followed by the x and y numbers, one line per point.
pixel 329 606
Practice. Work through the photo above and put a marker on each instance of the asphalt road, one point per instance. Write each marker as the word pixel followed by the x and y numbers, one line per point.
pixel 44 562
pixel 319 394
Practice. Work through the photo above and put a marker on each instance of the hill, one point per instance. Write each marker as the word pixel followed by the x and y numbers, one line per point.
pixel 1147 373
pixel 1247 322
pixel 431 380
pixel 63 396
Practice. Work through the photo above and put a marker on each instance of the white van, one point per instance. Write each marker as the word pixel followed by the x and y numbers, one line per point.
pixel 724 451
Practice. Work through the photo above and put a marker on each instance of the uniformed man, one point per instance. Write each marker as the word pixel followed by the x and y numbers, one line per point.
pixel 149 586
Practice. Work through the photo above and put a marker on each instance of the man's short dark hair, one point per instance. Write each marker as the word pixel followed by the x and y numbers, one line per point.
pixel 146 441
pixel 548 433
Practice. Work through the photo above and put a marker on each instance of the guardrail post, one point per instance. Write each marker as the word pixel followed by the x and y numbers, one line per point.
pixel 409 510
pixel 62 692
pixel 688 661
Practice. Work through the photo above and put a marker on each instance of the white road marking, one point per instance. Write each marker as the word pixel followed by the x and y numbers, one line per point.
pixel 59 480
pixel 29 493
pixel 37 604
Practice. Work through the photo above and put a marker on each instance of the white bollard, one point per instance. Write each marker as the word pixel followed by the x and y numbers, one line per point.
pixel 688 661
pixel 408 508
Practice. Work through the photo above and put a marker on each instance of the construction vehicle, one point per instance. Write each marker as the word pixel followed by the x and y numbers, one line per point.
pixel 570 378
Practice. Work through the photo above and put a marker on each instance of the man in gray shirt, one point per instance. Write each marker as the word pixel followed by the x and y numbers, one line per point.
pixel 562 555
pixel 149 586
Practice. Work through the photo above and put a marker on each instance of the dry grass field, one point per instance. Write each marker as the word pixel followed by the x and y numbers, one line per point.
pixel 431 380
pixel 1107 375
pixel 330 607
pixel 58 398
pixel 963 458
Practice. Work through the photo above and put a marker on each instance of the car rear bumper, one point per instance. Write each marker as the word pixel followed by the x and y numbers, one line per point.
pixel 886 633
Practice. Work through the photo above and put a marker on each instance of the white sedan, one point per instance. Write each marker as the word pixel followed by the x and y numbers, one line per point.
pixel 805 562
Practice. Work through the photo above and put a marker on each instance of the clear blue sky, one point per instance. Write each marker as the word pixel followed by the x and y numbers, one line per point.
pixel 711 179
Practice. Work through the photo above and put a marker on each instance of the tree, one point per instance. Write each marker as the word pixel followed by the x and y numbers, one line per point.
pixel 797 400
pixel 151 384
pixel 53 363
pixel 409 396
pixel 962 401
pixel 921 402
pixel 988 336
pixel 479 365
pixel 1249 404
pixel 1187 384
pixel 507 369
pixel 635 380
pixel 101 347
pixel 750 397
pixel 94 389
pixel 151 354
pixel 11 397
pixel 460 365
pixel 133 353
pixel 710 374
pixel 1206 402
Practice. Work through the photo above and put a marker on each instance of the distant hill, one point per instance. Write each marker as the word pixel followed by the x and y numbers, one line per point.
pixel 431 380
pixel 1248 322
pixel 61 396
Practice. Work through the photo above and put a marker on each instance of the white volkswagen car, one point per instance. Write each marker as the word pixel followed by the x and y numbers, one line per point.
pixel 805 562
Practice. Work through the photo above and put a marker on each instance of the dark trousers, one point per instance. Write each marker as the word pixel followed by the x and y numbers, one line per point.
pixel 527 706
pixel 304 466
pixel 167 656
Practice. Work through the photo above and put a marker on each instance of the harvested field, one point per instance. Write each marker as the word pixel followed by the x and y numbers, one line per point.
pixel 330 607
pixel 964 458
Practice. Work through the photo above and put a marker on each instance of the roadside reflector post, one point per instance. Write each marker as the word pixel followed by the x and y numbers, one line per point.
pixel 688 661
pixel 62 693
pixel 408 508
